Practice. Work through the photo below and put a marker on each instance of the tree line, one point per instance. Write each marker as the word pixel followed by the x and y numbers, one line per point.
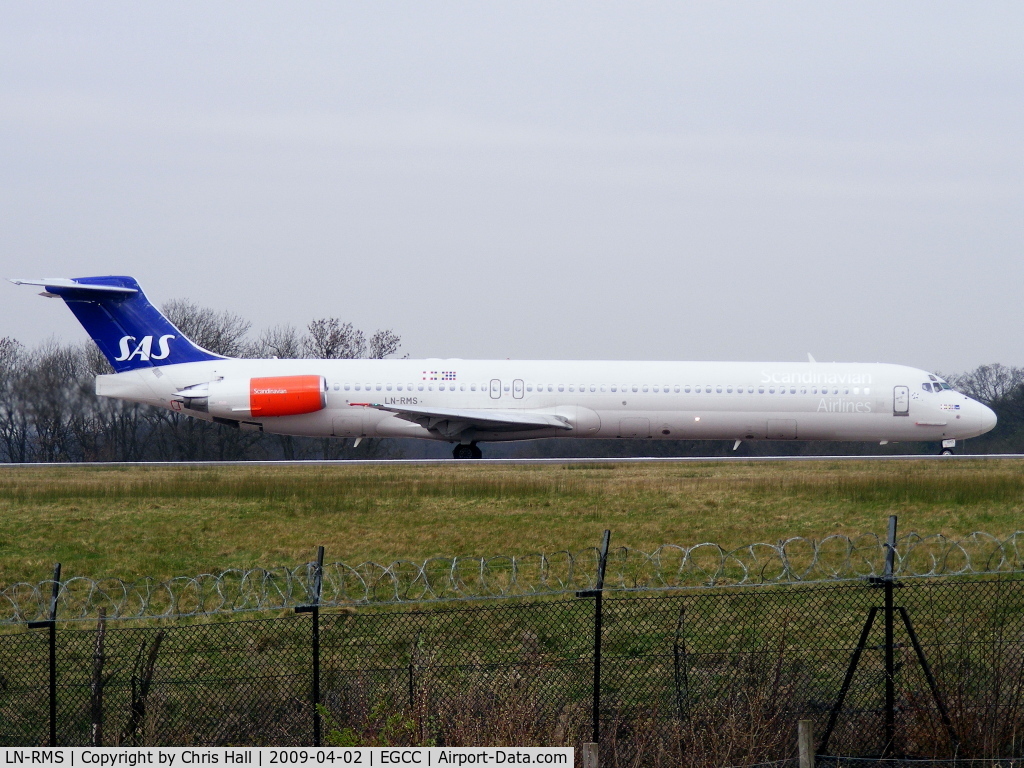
pixel 49 410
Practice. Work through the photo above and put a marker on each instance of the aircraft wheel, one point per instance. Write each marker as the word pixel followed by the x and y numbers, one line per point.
pixel 463 452
pixel 946 452
pixel 477 453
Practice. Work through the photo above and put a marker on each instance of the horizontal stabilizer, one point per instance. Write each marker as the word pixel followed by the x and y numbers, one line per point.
pixel 64 283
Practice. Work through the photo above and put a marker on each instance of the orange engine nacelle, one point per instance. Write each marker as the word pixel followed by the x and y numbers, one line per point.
pixel 237 399
pixel 286 395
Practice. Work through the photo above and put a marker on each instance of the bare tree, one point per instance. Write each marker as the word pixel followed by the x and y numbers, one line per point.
pixel 14 424
pixel 222 333
pixel 989 383
pixel 384 344
pixel 281 341
pixel 330 339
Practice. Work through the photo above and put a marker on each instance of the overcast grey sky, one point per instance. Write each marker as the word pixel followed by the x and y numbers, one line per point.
pixel 725 181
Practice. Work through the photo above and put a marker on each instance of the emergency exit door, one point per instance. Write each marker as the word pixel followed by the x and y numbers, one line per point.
pixel 495 388
pixel 901 401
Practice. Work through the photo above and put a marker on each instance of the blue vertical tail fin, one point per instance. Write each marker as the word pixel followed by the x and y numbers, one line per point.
pixel 130 332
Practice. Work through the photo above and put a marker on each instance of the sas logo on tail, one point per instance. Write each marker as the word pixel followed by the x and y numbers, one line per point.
pixel 144 349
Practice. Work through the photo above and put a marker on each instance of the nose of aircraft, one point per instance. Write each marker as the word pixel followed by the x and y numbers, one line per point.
pixel 988 418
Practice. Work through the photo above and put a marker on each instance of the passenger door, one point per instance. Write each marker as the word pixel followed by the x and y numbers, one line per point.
pixel 901 401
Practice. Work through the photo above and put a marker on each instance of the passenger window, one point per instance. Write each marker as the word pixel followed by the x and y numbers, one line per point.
pixel 719 389
pixel 771 390
pixel 602 388
pixel 645 387
pixel 686 389
pixel 634 387
pixel 572 388
pixel 462 387
pixel 676 388
pixel 614 388
pixel 472 387
pixel 792 390
pixel 655 388
pixel 729 390
pixel 561 388
pixel 760 390
pixel 347 387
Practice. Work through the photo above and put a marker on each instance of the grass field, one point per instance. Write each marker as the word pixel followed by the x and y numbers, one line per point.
pixel 131 522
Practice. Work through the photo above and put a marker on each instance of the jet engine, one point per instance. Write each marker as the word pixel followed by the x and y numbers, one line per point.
pixel 257 398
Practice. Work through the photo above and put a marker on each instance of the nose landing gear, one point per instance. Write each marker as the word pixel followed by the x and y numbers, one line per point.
pixel 471 451
pixel 947 447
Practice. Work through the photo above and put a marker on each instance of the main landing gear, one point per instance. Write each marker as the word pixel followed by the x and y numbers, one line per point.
pixel 470 451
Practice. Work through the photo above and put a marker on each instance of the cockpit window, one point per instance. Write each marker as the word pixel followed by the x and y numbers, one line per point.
pixel 927 387
pixel 944 385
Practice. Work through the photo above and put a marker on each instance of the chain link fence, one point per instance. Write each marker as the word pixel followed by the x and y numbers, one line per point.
pixel 698 678
pixel 796 560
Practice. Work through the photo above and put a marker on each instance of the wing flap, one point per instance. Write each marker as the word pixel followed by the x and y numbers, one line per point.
pixel 448 420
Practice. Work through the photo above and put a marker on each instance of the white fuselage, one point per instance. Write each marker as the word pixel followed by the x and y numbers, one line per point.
pixel 598 399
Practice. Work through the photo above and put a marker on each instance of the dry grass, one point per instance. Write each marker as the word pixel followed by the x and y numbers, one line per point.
pixel 164 521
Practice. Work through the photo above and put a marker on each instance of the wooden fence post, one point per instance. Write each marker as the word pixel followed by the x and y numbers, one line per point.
pixel 805 742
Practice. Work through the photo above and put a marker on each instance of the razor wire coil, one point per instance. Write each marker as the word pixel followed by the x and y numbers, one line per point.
pixel 796 560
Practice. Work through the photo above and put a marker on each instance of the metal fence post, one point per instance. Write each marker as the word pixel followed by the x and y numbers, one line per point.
pixel 596 593
pixel 51 623
pixel 314 609
pixel 890 664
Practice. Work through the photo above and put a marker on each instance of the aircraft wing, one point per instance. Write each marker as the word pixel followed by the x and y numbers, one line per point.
pixel 451 422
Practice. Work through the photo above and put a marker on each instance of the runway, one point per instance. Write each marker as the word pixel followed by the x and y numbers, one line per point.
pixel 523 462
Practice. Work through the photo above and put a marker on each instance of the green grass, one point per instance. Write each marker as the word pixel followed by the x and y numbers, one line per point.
pixel 164 521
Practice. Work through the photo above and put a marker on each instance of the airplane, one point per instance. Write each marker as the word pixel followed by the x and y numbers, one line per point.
pixel 467 402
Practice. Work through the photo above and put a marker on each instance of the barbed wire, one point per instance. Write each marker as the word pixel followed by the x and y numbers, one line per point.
pixel 797 560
